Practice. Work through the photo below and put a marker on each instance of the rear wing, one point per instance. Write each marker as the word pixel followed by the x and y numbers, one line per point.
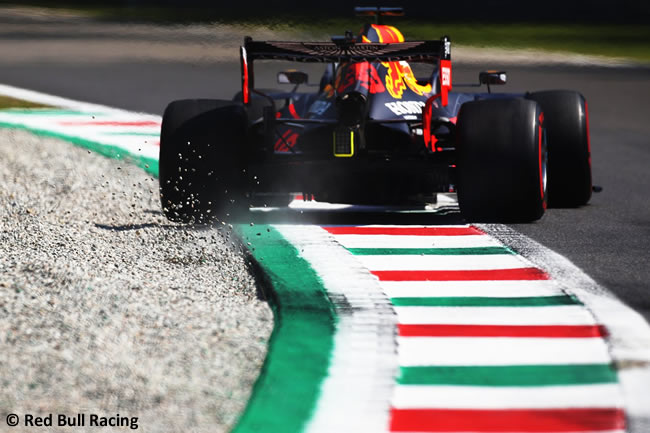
pixel 345 50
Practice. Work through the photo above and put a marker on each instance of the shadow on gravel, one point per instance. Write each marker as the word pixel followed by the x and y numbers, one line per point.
pixel 263 286
pixel 129 227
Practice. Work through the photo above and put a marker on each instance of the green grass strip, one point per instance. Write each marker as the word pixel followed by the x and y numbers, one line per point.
pixel 286 392
pixel 509 375
pixel 471 301
pixel 429 251
pixel 150 165
pixel 9 102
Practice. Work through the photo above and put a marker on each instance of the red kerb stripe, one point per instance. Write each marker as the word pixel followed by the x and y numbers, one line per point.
pixel 408 231
pixel 509 420
pixel 541 331
pixel 112 123
pixel 470 275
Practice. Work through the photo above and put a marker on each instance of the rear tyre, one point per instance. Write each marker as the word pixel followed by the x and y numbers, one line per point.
pixel 501 161
pixel 202 160
pixel 569 160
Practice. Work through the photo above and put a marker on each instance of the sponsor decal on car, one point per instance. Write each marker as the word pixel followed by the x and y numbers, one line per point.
pixel 402 108
pixel 286 142
pixel 446 76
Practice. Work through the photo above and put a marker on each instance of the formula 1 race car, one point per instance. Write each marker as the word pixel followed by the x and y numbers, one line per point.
pixel 374 133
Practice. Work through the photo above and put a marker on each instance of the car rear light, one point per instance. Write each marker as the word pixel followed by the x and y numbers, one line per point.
pixel 344 142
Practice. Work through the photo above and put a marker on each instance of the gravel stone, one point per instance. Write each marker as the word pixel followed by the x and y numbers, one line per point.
pixel 106 307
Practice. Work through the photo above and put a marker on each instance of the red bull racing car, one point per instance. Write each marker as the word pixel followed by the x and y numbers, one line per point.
pixel 374 133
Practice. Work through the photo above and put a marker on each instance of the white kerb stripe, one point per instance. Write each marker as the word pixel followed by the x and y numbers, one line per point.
pixel 355 395
pixel 479 397
pixel 505 289
pixel 555 315
pixel 454 351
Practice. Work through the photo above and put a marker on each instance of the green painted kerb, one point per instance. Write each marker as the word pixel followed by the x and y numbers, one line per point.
pixel 471 301
pixel 150 165
pixel 509 375
pixel 285 394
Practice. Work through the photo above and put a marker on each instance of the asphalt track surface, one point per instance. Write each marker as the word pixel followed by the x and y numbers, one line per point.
pixel 609 238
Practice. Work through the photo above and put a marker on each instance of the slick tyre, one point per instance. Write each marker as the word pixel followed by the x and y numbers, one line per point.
pixel 202 160
pixel 569 160
pixel 501 162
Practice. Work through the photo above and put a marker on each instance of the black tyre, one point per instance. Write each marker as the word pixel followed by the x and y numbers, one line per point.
pixel 501 161
pixel 569 159
pixel 202 160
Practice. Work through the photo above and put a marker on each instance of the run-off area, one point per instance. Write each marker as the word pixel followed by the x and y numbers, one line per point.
pixel 106 307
